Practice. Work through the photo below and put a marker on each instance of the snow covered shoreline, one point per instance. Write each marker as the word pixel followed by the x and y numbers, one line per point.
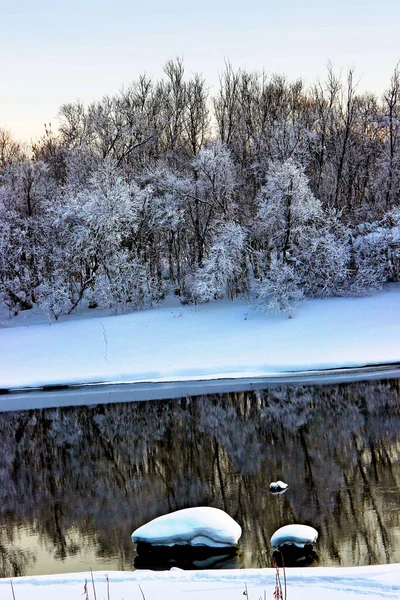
pixel 217 341
pixel 111 392
pixel 381 581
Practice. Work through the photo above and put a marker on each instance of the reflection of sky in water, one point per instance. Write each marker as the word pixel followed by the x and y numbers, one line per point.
pixel 40 554
pixel 75 482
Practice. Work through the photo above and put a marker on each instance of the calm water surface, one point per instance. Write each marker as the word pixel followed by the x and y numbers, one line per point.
pixel 75 482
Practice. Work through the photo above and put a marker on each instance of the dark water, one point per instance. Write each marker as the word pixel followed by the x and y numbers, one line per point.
pixel 75 482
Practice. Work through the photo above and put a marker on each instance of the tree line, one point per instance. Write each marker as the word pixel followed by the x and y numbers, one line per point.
pixel 267 189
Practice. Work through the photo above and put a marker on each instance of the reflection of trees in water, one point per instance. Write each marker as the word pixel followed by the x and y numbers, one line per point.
pixel 13 561
pixel 107 469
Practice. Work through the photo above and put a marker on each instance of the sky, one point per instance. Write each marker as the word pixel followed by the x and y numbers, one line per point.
pixel 54 52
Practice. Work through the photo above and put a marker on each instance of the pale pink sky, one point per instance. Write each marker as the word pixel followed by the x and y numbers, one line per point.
pixel 53 52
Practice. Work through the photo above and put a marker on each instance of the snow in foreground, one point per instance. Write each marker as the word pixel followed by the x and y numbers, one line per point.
pixel 302 584
pixel 217 340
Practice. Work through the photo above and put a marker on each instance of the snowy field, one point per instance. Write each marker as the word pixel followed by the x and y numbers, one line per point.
pixel 302 584
pixel 218 340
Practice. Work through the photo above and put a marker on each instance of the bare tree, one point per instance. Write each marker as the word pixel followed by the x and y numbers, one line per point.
pixel 10 150
pixel 391 101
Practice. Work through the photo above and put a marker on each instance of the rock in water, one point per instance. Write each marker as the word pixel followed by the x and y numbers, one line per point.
pixel 297 535
pixel 292 556
pixel 192 558
pixel 199 526
pixel 278 487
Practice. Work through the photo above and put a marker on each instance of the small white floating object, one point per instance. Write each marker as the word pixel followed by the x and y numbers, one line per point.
pixel 297 535
pixel 278 487
pixel 198 526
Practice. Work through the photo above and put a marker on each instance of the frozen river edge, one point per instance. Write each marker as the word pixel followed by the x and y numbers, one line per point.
pixel 79 394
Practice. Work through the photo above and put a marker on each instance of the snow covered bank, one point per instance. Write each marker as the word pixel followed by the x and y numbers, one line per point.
pixel 212 341
pixel 311 583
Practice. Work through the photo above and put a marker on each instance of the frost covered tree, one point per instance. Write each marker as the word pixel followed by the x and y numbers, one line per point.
pixel 212 193
pixel 28 196
pixel 375 254
pixel 80 164
pixel 105 206
pixel 298 234
pixel 216 178
pixel 125 284
pixel 323 257
pixel 27 187
pixel 17 252
pixel 107 219
pixel 279 291
pixel 169 218
pixel 224 271
pixel 287 207
pixel 54 296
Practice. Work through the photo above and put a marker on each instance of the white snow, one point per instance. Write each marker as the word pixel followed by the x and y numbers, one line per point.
pixel 297 535
pixel 351 583
pixel 218 340
pixel 278 486
pixel 197 526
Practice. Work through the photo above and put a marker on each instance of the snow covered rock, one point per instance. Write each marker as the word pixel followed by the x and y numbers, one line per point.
pixel 199 526
pixel 297 535
pixel 278 487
